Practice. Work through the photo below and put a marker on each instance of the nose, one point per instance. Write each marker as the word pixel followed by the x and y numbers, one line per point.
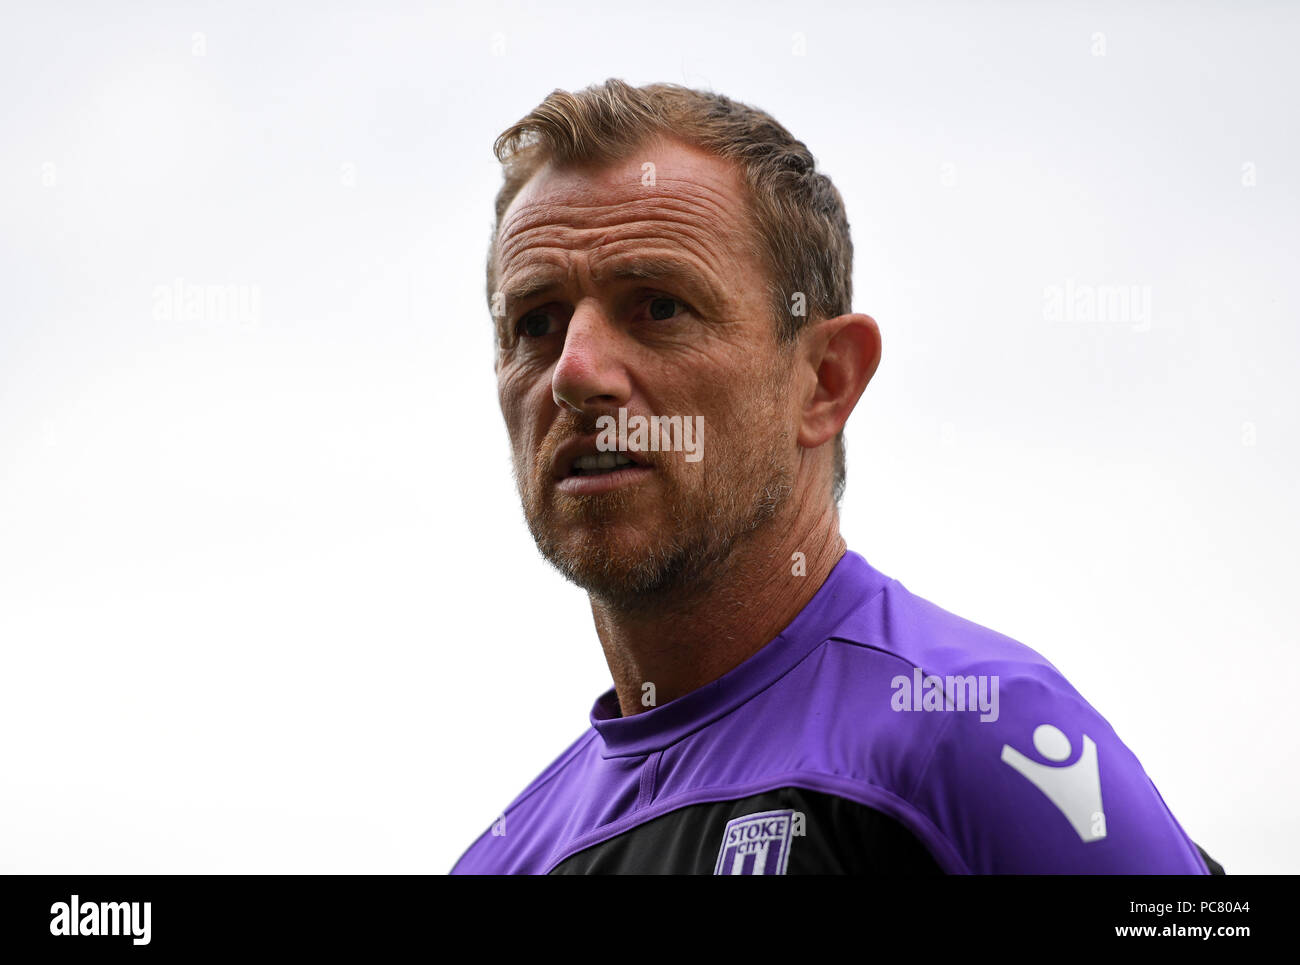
pixel 590 373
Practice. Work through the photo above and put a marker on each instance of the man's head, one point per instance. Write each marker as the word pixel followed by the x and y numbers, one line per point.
pixel 669 252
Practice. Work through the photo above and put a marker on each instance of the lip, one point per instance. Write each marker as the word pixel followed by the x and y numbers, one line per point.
pixel 586 446
pixel 606 481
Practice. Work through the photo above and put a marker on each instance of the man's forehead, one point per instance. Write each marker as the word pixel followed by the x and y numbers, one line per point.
pixel 670 173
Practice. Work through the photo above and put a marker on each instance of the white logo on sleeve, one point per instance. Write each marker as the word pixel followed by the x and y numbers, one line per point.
pixel 1075 790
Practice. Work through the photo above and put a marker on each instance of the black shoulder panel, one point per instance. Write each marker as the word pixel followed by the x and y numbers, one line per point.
pixel 786 831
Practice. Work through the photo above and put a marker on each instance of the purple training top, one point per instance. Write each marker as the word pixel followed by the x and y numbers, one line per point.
pixel 877 733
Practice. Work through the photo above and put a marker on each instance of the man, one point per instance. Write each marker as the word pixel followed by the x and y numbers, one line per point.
pixel 676 359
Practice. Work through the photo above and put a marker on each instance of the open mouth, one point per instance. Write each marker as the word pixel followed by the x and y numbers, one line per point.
pixel 600 464
pixel 581 468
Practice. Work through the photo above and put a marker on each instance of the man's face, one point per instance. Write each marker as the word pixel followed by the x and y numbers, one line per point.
pixel 694 339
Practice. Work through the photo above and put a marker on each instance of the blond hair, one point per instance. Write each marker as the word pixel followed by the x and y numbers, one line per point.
pixel 797 215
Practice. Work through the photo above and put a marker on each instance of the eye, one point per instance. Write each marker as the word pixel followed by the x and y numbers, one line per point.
pixel 535 324
pixel 664 307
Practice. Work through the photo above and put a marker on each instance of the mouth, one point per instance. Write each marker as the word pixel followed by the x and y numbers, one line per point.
pixel 580 468
pixel 600 464
pixel 603 481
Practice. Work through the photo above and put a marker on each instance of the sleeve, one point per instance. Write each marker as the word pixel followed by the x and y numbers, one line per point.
pixel 1039 783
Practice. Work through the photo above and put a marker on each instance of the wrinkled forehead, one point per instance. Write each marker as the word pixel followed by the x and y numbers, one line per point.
pixel 659 180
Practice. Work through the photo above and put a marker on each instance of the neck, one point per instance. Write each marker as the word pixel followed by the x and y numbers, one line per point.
pixel 696 636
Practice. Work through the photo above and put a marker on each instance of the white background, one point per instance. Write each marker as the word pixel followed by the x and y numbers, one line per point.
pixel 267 602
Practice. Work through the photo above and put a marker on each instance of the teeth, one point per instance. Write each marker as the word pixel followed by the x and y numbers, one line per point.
pixel 601 461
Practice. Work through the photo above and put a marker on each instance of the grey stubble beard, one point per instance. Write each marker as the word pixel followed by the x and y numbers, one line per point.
pixel 704 535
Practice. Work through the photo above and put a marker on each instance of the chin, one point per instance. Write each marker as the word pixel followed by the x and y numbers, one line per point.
pixel 620 563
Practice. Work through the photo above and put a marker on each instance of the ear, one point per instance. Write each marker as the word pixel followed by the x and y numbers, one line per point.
pixel 844 352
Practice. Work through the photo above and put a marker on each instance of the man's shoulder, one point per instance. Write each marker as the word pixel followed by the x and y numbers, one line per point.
pixel 899 667
pixel 892 677
pixel 919 633
pixel 520 814
pixel 990 743
pixel 1042 783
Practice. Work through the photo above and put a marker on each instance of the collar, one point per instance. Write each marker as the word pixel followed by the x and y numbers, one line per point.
pixel 850 583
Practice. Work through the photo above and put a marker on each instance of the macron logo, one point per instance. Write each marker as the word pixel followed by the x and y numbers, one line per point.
pixel 1074 789
pixel 102 918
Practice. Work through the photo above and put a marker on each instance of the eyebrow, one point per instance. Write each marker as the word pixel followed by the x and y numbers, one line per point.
pixel 529 286
pixel 642 267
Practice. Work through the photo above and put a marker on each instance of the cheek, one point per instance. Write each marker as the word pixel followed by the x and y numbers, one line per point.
pixel 755 415
pixel 525 405
pixel 741 398
pixel 513 397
